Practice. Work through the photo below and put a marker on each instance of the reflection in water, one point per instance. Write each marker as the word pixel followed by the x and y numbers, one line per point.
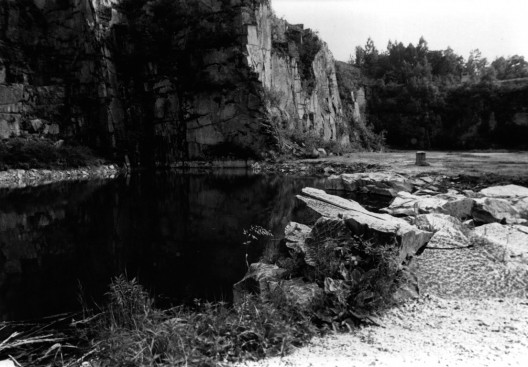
pixel 181 235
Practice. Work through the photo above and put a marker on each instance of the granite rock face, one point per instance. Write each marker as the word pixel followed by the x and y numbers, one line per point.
pixel 79 64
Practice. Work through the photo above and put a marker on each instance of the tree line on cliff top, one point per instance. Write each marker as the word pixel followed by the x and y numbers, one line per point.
pixel 427 99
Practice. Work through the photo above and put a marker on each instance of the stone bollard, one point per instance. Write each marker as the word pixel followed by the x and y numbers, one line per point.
pixel 420 159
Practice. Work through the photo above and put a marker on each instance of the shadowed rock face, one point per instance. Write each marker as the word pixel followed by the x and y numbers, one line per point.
pixel 82 65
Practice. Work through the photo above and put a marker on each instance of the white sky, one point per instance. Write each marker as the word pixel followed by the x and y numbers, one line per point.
pixel 496 28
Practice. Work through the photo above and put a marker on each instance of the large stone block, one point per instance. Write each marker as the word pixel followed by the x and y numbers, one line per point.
pixel 489 210
pixel 449 232
pixel 380 228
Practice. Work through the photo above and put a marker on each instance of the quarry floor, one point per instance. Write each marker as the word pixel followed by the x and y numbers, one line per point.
pixel 508 164
pixel 473 310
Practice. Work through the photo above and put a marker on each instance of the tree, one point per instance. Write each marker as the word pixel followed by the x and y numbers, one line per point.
pixel 476 64
pixel 513 67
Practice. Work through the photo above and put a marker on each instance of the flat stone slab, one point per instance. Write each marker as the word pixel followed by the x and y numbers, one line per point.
pixel 506 191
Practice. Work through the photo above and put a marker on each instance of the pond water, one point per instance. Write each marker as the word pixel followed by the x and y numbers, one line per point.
pixel 182 236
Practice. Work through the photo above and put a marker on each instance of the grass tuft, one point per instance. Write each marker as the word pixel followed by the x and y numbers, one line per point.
pixel 133 332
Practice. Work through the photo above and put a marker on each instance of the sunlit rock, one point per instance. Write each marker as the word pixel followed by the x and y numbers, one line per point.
pixel 406 204
pixel 511 240
pixel 489 210
pixel 448 231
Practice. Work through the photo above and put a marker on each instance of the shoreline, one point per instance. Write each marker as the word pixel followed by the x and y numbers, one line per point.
pixel 20 178
pixel 464 170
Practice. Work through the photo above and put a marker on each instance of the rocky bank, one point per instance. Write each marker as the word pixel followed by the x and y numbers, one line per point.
pixel 468 257
pixel 19 178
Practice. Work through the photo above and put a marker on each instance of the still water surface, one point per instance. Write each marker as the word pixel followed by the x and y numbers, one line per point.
pixel 180 235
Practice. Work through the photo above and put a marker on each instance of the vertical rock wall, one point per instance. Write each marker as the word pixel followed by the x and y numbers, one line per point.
pixel 212 99
pixel 316 108
pixel 54 50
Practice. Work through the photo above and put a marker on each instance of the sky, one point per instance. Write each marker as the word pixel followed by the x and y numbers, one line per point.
pixel 496 28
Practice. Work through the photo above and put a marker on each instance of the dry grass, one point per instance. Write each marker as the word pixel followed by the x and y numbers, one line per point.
pixel 134 333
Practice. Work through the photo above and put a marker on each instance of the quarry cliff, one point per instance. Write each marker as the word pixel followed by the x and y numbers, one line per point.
pixel 163 81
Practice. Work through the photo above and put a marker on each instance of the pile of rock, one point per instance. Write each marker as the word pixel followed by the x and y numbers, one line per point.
pixel 337 220
pixel 495 216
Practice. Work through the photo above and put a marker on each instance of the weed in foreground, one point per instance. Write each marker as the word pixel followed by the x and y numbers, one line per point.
pixel 134 332
pixel 358 280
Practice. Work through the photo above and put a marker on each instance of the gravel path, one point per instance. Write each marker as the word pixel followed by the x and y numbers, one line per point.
pixel 473 312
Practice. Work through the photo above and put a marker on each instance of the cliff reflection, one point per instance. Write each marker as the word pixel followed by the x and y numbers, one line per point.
pixel 181 235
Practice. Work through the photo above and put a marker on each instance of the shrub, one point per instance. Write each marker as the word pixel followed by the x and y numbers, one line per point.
pixel 21 153
pixel 359 277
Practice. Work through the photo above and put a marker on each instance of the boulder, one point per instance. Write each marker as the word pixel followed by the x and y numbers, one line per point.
pixel 381 183
pixel 378 227
pixel 406 204
pixel 515 195
pixel 314 153
pixel 322 152
pixel 522 207
pixel 53 129
pixel 295 236
pixel 506 191
pixel 449 232
pixel 257 279
pixel 490 210
pixel 5 130
pixel 296 292
pixel 408 285
pixel 512 240
pixel 36 125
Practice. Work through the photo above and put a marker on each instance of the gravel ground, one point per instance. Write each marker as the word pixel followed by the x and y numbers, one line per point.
pixel 474 312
